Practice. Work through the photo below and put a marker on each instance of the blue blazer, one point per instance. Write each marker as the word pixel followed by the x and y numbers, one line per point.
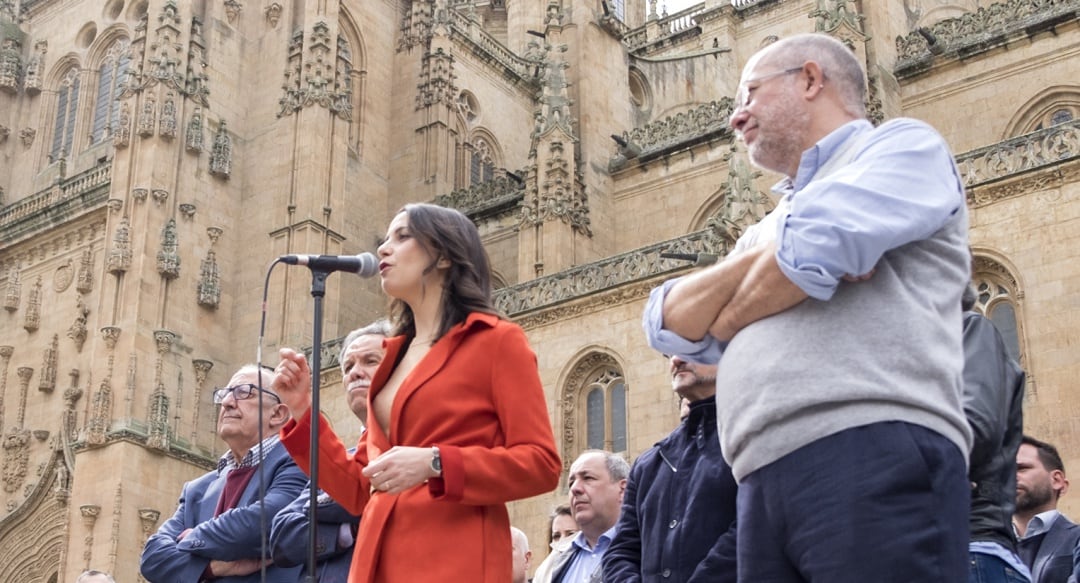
pixel 289 537
pixel 234 535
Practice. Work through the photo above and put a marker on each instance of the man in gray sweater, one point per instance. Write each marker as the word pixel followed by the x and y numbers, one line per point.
pixel 838 321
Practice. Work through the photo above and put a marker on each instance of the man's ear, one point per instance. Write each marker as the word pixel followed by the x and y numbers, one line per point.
pixel 1059 483
pixel 279 415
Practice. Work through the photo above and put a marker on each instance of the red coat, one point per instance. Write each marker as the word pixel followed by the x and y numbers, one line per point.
pixel 477 395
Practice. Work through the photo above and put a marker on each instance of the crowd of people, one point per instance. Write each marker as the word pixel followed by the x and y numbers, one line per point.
pixel 846 417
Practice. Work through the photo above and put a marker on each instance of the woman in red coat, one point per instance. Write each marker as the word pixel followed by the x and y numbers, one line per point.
pixel 457 420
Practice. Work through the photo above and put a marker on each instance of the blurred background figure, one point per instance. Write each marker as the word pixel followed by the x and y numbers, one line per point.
pixel 561 529
pixel 522 556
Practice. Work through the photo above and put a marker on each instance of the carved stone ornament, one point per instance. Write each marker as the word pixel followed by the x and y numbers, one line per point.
pixel 100 413
pixel 140 194
pixel 209 288
pixel 221 154
pixel 4 133
pixel 47 380
pixel 35 67
pixel 85 279
pixel 122 133
pixel 115 204
pixel 32 318
pixel 167 124
pixel 160 195
pixel 147 116
pixel 168 257
pixel 187 210
pixel 26 135
pixel 158 422
pixel 193 137
pixel 119 260
pixel 110 334
pixel 232 10
pixel 273 14
pixel 16 458
pixel 984 169
pixel 13 291
pixel 78 330
pixel 63 276
pixel 10 65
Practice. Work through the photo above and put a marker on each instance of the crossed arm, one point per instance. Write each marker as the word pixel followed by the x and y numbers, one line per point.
pixel 728 296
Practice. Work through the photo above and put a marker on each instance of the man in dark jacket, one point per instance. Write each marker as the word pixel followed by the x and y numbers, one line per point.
pixel 336 531
pixel 1047 538
pixel 993 404
pixel 678 514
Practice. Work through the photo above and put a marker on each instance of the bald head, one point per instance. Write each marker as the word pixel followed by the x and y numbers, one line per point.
pixel 522 555
pixel 837 61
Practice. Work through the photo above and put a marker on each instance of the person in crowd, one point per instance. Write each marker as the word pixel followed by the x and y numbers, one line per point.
pixel 993 404
pixel 1048 540
pixel 597 485
pixel 336 532
pixel 561 528
pixel 457 420
pixel 94 576
pixel 522 555
pixel 837 317
pixel 216 532
pixel 678 513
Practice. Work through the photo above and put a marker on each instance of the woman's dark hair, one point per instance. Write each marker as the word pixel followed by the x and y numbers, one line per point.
pixel 446 233
pixel 560 510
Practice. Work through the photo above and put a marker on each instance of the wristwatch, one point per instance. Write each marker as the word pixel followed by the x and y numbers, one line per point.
pixel 436 461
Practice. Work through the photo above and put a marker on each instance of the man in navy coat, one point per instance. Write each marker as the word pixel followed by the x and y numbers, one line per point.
pixel 678 513
pixel 217 531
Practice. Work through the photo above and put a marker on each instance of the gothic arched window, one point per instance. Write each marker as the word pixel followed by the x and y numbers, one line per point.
pixel 67 106
pixel 110 86
pixel 482 167
pixel 605 410
pixel 997 298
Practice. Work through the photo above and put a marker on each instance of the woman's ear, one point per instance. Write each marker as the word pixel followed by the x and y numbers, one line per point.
pixel 442 263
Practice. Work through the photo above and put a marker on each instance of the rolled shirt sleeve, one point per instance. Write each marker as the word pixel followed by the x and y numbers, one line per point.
pixel 707 350
pixel 900 186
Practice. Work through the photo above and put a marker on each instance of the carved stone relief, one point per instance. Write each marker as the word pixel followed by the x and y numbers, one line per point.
pixel 26 135
pixel 193 137
pixel 221 155
pixel 47 379
pixel 209 287
pixel 147 116
pixel 273 14
pixel 32 317
pixel 85 279
pixel 13 291
pixel 232 10
pixel 35 67
pixel 119 260
pixel 10 65
pixel 77 332
pixel 167 124
pixel 122 133
pixel 63 276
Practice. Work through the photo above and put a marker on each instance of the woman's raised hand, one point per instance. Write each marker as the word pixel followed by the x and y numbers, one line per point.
pixel 293 382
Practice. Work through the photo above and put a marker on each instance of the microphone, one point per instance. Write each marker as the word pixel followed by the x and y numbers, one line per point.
pixel 364 264
pixel 699 259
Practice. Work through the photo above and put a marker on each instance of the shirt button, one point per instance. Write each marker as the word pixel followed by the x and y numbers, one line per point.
pixel 673 523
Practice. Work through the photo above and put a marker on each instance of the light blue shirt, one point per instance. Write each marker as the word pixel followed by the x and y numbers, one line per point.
pixel 587 560
pixel 996 550
pixel 842 223
pixel 1040 523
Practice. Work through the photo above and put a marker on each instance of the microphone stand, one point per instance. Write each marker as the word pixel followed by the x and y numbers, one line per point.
pixel 318 290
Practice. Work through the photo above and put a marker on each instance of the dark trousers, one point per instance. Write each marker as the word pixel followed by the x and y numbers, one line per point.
pixel 886 502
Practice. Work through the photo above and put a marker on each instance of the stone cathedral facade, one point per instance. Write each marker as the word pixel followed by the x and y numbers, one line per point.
pixel 157 155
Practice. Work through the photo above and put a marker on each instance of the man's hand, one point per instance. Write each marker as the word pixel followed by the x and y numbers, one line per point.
pixel 238 568
pixel 763 292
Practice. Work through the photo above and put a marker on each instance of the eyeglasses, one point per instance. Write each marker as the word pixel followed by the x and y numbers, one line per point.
pixel 240 392
pixel 742 95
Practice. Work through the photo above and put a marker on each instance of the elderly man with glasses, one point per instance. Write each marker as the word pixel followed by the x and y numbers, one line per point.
pixel 220 527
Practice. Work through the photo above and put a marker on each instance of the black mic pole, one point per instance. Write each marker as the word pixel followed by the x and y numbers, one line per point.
pixel 318 290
